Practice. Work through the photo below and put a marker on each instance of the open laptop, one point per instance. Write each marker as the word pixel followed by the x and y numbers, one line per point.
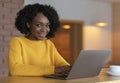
pixel 88 64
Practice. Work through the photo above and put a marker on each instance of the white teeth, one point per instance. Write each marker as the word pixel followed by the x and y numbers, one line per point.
pixel 42 34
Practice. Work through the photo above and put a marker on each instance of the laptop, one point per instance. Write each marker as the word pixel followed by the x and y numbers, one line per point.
pixel 88 64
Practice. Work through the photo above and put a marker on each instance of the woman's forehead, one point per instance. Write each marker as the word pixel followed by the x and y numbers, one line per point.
pixel 40 18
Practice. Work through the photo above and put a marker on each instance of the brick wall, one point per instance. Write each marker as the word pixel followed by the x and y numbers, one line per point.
pixel 8 10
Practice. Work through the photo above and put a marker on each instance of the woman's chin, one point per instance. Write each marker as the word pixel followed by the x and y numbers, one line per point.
pixel 41 38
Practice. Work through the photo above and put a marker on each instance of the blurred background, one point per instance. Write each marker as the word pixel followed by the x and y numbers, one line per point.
pixel 85 24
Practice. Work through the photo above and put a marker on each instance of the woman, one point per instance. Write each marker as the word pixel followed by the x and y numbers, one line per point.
pixel 34 54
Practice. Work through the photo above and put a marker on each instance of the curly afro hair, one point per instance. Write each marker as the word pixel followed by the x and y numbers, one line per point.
pixel 30 11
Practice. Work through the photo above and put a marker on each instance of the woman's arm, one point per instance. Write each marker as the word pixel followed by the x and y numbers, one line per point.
pixel 59 60
pixel 17 66
pixel 61 65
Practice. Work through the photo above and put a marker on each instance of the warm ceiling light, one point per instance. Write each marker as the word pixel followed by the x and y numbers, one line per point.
pixel 101 24
pixel 66 26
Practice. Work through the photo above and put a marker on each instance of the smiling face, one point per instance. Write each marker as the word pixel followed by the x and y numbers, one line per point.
pixel 38 27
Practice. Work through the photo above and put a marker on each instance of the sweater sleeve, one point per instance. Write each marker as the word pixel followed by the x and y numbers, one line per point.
pixel 16 65
pixel 59 60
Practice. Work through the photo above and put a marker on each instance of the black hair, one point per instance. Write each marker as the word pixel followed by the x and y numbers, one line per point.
pixel 30 11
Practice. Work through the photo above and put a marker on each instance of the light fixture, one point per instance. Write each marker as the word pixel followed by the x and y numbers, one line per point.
pixel 101 24
pixel 66 26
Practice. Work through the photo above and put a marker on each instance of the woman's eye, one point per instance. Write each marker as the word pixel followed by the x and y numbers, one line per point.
pixel 42 25
pixel 47 26
pixel 38 25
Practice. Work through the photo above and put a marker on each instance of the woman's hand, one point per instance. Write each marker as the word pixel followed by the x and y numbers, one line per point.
pixel 64 70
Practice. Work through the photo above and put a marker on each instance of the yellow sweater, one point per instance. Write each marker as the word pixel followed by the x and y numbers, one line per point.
pixel 33 58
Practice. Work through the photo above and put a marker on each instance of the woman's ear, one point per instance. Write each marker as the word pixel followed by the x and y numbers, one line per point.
pixel 28 25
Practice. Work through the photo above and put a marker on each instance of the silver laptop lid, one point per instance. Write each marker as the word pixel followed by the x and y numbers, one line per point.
pixel 89 63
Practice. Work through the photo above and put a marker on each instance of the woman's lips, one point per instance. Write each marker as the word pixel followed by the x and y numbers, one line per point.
pixel 42 34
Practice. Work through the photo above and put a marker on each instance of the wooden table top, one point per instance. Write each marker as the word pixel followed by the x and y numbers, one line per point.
pixel 102 78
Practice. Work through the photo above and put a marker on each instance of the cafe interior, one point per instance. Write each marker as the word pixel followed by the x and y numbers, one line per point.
pixel 85 25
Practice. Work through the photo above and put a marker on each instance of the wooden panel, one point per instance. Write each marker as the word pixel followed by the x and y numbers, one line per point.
pixel 62 43
pixel 69 41
pixel 116 34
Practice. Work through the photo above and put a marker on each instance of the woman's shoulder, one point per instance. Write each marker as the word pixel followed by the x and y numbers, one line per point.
pixel 51 43
pixel 16 39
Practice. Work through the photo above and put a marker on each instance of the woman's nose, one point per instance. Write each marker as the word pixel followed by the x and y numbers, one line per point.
pixel 43 28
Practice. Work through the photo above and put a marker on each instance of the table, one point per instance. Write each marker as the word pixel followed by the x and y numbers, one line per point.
pixel 102 78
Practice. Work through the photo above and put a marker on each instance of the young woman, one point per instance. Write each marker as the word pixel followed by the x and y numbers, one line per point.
pixel 34 54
